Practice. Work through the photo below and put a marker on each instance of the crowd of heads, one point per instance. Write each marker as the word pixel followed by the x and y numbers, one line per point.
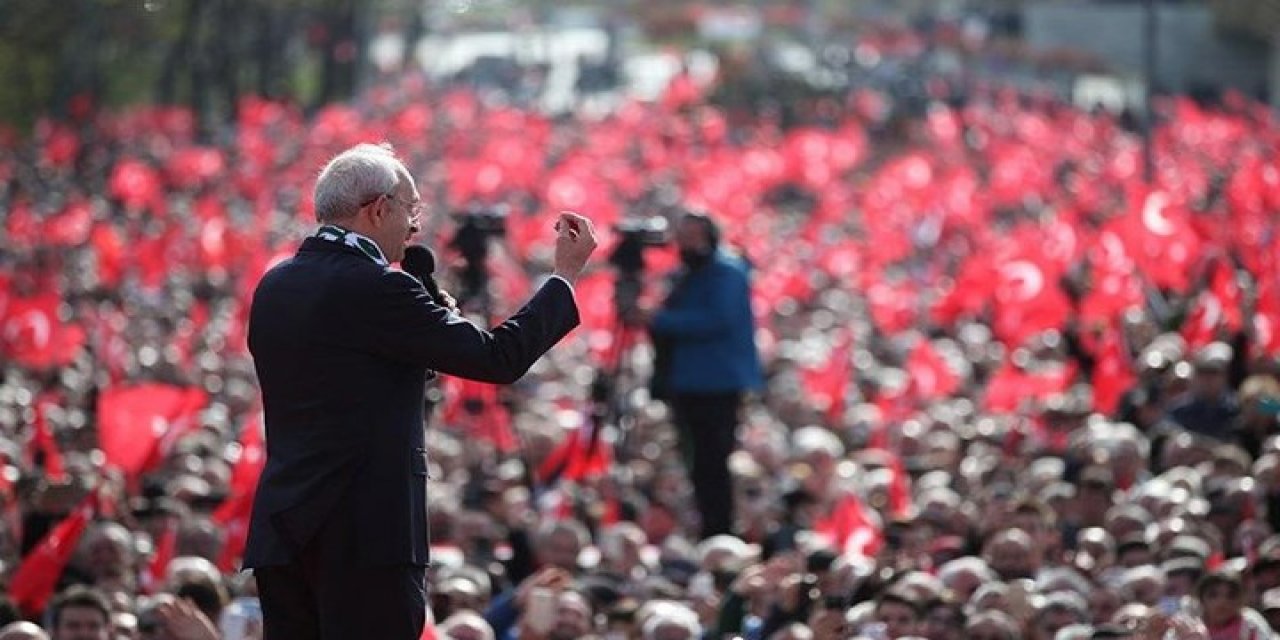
pixel 1040 513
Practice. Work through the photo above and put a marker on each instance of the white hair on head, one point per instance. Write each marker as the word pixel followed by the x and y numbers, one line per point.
pixel 972 564
pixel 354 177
pixel 471 619
pixel 811 439
pixel 613 536
pixel 670 614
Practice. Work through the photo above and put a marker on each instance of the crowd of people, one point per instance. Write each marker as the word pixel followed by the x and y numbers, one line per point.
pixel 1011 390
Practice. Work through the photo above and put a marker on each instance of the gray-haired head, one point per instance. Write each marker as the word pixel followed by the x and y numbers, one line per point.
pixel 671 620
pixel 23 630
pixel 353 178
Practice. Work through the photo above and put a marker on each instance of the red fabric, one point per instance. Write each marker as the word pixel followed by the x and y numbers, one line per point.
pixel 850 528
pixel 71 226
pixel 1161 239
pixel 899 498
pixel 1217 309
pixel 61 144
pixel 1012 389
pixel 827 383
pixel 1028 300
pixel 474 408
pixel 234 514
pixel 43 444
pixel 930 375
pixel 35 579
pixel 137 425
pixel 166 547
pixel 137 185
pixel 1112 374
pixel 584 453
pixel 253 458
pixel 34 334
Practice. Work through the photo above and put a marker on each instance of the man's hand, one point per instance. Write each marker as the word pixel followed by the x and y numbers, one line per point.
pixel 184 621
pixel 575 240
pixel 552 578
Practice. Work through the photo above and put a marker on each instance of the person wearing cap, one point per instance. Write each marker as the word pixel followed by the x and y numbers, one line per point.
pixel 1222 606
pixel 1209 406
pixel 1181 576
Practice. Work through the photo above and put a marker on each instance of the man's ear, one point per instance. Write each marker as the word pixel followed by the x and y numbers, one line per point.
pixel 377 213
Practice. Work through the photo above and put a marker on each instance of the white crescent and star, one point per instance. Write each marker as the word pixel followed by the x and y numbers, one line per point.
pixel 1153 214
pixel 1020 281
pixel 33 320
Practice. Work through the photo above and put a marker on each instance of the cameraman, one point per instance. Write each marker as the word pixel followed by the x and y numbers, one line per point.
pixel 706 359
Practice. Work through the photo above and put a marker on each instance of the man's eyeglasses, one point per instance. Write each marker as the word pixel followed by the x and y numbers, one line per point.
pixel 416 209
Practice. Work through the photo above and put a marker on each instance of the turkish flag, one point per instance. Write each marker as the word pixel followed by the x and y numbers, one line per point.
pixel 195 166
pixel 583 453
pixel 1161 239
pixel 61 144
pixel 138 425
pixel 474 408
pixel 899 498
pixel 71 226
pixel 1112 373
pixel 233 514
pixel 1116 284
pixel 136 185
pixel 1266 318
pixel 1011 388
pixel 36 578
pixel 931 376
pixel 1217 308
pixel 32 334
pixel 153 576
pixel 42 446
pixel 108 247
pixel 827 382
pixel 850 528
pixel 248 467
pixel 1028 300
pixel 21 225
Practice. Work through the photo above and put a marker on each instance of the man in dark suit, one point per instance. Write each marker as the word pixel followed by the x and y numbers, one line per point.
pixel 343 344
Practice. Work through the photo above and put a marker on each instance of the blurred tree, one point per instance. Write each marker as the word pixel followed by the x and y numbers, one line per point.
pixel 203 53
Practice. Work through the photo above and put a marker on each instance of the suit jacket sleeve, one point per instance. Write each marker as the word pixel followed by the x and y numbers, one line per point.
pixel 399 320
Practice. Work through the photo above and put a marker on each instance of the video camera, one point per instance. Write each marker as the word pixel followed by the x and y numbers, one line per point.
pixel 628 258
pixel 487 221
pixel 637 235
pixel 476 226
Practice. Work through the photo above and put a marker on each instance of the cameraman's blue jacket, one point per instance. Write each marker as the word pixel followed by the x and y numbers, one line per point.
pixel 710 329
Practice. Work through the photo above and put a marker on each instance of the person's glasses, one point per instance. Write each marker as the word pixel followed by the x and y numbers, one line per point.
pixel 415 209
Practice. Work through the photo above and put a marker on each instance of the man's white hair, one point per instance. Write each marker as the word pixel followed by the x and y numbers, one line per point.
pixel 466 619
pixel 669 614
pixel 355 177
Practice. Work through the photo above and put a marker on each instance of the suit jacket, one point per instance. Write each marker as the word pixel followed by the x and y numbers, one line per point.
pixel 709 330
pixel 342 348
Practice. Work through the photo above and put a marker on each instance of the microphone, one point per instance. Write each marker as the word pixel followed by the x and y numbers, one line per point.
pixel 420 262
